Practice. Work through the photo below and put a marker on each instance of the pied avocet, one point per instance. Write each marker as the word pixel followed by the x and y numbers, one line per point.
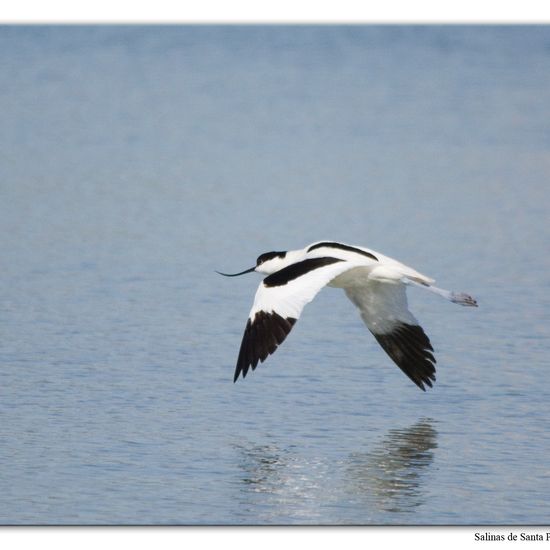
pixel 375 283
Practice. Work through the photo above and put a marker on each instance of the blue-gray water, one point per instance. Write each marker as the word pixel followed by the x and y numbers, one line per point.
pixel 135 161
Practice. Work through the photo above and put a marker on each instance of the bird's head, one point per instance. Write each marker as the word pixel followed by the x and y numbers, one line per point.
pixel 270 262
pixel 267 263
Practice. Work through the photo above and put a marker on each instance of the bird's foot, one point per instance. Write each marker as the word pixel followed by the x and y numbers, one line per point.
pixel 463 299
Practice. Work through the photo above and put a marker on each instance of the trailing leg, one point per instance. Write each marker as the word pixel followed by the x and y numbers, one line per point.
pixel 456 297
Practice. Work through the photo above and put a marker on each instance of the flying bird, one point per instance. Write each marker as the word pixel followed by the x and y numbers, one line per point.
pixel 375 283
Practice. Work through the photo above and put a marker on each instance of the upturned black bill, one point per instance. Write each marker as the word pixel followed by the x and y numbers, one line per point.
pixel 236 274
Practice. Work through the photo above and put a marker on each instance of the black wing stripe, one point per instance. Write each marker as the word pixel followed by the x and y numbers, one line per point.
pixel 261 338
pixel 293 271
pixel 410 349
pixel 342 247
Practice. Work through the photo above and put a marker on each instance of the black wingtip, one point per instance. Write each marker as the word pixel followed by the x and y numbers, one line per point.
pixel 238 370
pixel 261 338
pixel 410 349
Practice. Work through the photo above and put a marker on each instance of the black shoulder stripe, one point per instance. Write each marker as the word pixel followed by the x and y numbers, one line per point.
pixel 291 272
pixel 410 349
pixel 261 338
pixel 342 247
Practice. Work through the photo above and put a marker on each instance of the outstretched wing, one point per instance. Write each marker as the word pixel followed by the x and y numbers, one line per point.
pixel 384 309
pixel 278 303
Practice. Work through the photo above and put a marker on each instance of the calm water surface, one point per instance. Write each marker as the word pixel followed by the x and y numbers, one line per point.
pixel 134 161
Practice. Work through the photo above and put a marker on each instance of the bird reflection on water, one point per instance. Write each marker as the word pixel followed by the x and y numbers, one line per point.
pixel 282 486
pixel 391 475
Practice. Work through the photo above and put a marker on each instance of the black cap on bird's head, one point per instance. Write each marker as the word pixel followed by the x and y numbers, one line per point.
pixel 262 258
pixel 266 256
